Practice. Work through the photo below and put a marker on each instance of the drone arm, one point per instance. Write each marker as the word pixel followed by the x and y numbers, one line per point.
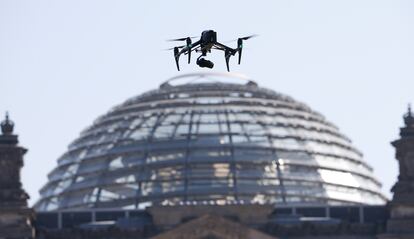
pixel 192 47
pixel 240 48
pixel 225 48
pixel 195 44
pixel 228 52
pixel 177 54
pixel 233 51
pixel 189 48
pixel 227 55
pixel 186 50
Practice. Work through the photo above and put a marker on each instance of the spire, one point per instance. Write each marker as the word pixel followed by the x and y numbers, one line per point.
pixel 7 125
pixel 409 118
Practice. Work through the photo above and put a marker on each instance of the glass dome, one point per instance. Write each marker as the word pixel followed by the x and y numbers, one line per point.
pixel 208 139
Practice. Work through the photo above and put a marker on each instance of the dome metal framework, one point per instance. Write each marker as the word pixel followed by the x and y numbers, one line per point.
pixel 209 142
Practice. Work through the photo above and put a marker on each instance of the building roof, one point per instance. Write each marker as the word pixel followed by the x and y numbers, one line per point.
pixel 212 227
pixel 209 139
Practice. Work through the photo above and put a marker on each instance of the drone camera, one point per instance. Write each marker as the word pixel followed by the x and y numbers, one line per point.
pixel 205 63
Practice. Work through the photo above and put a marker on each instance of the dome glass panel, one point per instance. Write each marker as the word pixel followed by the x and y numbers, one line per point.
pixel 210 140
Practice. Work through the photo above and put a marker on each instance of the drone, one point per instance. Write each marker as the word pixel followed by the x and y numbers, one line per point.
pixel 207 42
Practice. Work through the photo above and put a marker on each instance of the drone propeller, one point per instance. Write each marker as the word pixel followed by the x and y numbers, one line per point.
pixel 172 48
pixel 180 39
pixel 243 38
pixel 248 37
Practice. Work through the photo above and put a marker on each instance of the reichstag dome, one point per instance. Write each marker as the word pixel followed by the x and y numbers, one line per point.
pixel 203 139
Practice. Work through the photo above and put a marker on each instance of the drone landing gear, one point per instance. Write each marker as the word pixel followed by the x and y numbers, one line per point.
pixel 201 62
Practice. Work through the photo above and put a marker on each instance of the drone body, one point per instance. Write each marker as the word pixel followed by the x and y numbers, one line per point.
pixel 207 42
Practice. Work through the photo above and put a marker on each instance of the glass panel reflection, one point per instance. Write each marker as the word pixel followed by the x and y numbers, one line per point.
pixel 210 143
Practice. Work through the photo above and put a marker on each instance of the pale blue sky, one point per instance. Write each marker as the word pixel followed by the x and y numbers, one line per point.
pixel 63 63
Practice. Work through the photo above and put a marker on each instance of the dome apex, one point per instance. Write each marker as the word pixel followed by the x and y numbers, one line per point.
pixel 209 77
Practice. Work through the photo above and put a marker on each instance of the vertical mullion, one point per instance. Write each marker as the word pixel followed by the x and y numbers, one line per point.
pixel 162 115
pixel 233 161
pixel 276 161
pixel 187 154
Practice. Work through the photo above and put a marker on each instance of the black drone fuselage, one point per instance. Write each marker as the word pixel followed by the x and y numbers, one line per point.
pixel 208 41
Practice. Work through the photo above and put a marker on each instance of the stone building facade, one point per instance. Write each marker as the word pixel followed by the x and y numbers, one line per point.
pixel 401 222
pixel 15 216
